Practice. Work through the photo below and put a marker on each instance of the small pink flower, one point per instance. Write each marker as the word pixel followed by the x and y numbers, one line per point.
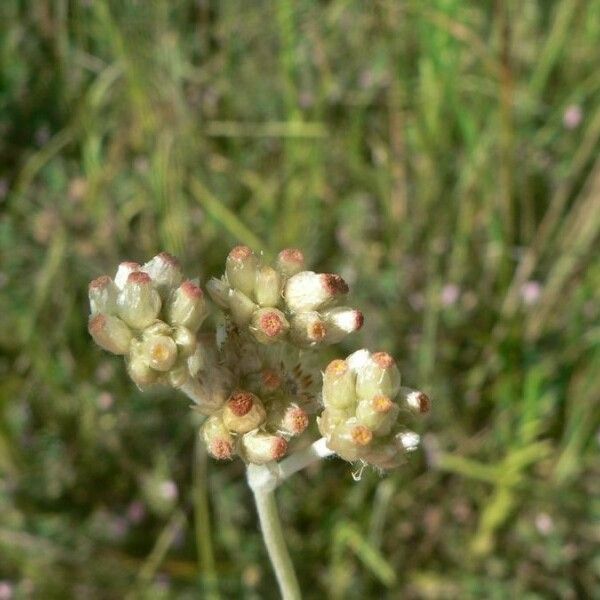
pixel 450 294
pixel 530 292
pixel 6 590
pixel 572 116
pixel 168 490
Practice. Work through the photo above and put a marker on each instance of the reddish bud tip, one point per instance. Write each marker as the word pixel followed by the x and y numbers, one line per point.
pixel 279 448
pixel 240 253
pixel 383 360
pixel 221 449
pixel 140 278
pixel 361 435
pixel 336 367
pixel 271 324
pixel 241 402
pixel 296 420
pixel 271 380
pixel 191 290
pixel 97 323
pixel 169 259
pixel 317 331
pixel 334 284
pixel 360 319
pixel 100 282
pixel 292 255
pixel 423 403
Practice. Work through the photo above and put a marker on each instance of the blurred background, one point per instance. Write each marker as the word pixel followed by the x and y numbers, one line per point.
pixel 443 156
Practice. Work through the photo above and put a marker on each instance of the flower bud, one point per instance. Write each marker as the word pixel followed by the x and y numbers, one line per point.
pixel 218 440
pixel 140 371
pixel 287 418
pixel 124 270
pixel 243 412
pixel 268 325
pixel 267 288
pixel 290 261
pixel 350 439
pixel 187 306
pixel 378 413
pixel 241 307
pixel 178 375
pixel 103 295
pixel 378 375
pixel 165 272
pixel 307 328
pixel 416 401
pixel 341 322
pixel 110 333
pixel 138 303
pixel 240 268
pixel 160 351
pixel 339 385
pixel 309 291
pixel 218 290
pixel 408 441
pixel 259 447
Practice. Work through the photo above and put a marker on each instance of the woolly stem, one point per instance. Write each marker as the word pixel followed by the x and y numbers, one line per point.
pixel 263 480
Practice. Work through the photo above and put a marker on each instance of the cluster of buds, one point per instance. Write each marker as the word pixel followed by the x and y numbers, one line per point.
pixel 363 402
pixel 256 381
pixel 150 315
pixel 284 301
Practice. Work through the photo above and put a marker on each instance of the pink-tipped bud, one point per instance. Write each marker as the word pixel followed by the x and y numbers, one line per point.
pixel 124 270
pixel 260 448
pixel 218 440
pixel 378 375
pixel 268 325
pixel 416 401
pixel 187 306
pixel 103 295
pixel 378 413
pixel 243 412
pixel 339 385
pixel 290 261
pixel 138 303
pixel 309 291
pixel 165 271
pixel 110 333
pixel 361 435
pixel 295 420
pixel 341 322
pixel 240 268
pixel 308 329
pixel 267 288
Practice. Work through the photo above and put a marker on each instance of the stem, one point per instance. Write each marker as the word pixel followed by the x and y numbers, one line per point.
pixel 263 480
pixel 270 525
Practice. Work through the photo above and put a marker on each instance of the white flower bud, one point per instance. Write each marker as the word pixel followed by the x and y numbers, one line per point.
pixel 165 272
pixel 103 295
pixel 240 268
pixel 340 322
pixel 378 413
pixel 140 371
pixel 218 290
pixel 290 261
pixel 186 341
pixel 308 328
pixel 267 288
pixel 110 333
pixel 287 418
pixel 259 447
pixel 138 303
pixel 187 306
pixel 378 375
pixel 268 325
pixel 408 440
pixel 416 401
pixel 124 270
pixel 159 351
pixel 243 412
pixel 349 440
pixel 218 440
pixel 339 385
pixel 309 291
pixel 241 307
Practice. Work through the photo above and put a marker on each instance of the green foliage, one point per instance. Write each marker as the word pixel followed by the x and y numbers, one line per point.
pixel 432 153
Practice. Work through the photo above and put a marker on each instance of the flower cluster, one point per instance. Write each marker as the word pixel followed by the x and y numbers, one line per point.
pixel 150 315
pixel 256 381
pixel 363 401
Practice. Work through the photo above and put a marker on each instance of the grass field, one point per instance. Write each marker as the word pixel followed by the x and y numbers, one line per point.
pixel 444 156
